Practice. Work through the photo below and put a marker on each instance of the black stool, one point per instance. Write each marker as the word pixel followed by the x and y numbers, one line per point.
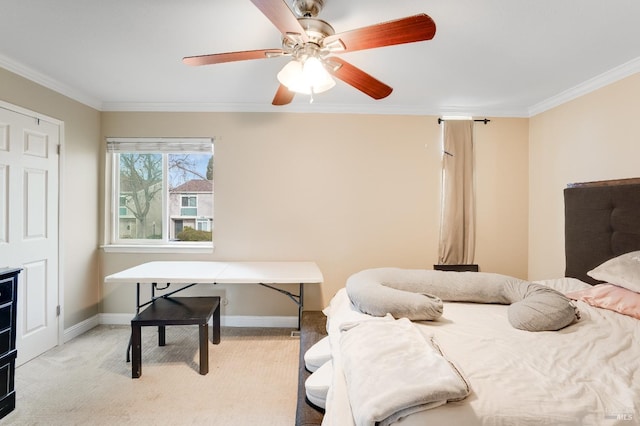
pixel 176 311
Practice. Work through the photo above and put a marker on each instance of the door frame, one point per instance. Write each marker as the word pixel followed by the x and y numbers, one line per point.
pixel 41 117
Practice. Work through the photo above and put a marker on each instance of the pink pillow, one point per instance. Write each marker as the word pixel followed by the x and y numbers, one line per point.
pixel 611 297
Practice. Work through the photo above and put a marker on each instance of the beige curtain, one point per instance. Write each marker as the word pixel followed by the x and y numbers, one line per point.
pixel 457 224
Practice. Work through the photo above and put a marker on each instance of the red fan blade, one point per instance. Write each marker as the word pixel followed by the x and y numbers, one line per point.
pixel 359 79
pixel 406 30
pixel 218 58
pixel 283 96
pixel 281 16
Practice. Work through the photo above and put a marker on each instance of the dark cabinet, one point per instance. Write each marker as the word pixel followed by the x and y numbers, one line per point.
pixel 8 306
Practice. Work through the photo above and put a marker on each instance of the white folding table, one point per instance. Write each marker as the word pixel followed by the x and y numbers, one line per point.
pixel 190 273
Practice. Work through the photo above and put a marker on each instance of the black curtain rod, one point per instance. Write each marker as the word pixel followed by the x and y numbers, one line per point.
pixel 483 120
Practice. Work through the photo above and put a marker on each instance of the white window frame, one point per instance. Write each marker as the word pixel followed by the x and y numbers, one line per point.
pixel 112 194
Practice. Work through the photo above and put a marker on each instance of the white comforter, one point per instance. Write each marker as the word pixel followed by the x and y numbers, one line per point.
pixel 585 374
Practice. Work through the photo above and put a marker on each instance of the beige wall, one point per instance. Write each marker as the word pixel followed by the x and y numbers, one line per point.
pixel 590 138
pixel 347 191
pixel 502 154
pixel 79 184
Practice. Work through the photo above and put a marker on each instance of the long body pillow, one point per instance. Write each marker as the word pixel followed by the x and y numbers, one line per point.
pixel 417 294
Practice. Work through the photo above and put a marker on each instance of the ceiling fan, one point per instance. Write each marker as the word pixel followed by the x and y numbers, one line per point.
pixel 312 43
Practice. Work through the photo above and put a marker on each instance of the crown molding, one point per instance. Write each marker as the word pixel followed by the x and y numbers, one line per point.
pixel 48 82
pixel 595 83
pixel 316 108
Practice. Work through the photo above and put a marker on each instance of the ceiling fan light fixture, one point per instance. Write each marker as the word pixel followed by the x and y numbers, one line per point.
pixel 309 77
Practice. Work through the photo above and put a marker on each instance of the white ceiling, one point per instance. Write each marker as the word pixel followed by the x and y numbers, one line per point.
pixel 491 57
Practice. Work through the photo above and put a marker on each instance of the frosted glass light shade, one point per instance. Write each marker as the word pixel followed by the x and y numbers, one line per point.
pixel 306 78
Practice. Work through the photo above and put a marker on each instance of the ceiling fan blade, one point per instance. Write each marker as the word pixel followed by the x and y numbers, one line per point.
pixel 283 96
pixel 406 30
pixel 218 58
pixel 359 79
pixel 281 16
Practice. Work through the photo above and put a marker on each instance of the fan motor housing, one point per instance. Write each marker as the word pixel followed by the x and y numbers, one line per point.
pixel 307 8
pixel 316 29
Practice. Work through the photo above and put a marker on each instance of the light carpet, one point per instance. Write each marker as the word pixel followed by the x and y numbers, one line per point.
pixel 252 380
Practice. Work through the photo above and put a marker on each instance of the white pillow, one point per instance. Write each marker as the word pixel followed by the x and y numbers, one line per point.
pixel 317 354
pixel 317 385
pixel 623 271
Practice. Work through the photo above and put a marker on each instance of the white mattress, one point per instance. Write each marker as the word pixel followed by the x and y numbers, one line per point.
pixel 585 374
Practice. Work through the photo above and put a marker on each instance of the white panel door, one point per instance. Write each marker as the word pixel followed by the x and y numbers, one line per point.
pixel 29 225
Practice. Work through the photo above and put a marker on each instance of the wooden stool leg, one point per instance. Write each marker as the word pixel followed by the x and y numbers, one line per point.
pixel 162 333
pixel 204 348
pixel 215 334
pixel 136 352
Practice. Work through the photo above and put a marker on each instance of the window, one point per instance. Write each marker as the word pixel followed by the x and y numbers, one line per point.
pixel 124 211
pixel 161 190
pixel 189 205
pixel 204 224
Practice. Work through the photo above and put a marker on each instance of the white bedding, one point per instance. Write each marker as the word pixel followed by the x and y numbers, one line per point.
pixel 585 374
pixel 411 374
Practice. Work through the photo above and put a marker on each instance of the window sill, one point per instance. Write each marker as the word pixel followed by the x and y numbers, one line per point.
pixel 157 248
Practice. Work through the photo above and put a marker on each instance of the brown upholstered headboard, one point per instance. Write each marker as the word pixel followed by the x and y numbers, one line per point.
pixel 602 221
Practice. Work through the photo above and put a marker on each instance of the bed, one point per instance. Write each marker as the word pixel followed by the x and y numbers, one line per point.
pixel 584 373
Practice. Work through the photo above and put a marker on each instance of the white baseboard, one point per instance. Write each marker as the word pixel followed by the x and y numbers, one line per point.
pixel 225 320
pixel 256 321
pixel 81 327
pixel 116 319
